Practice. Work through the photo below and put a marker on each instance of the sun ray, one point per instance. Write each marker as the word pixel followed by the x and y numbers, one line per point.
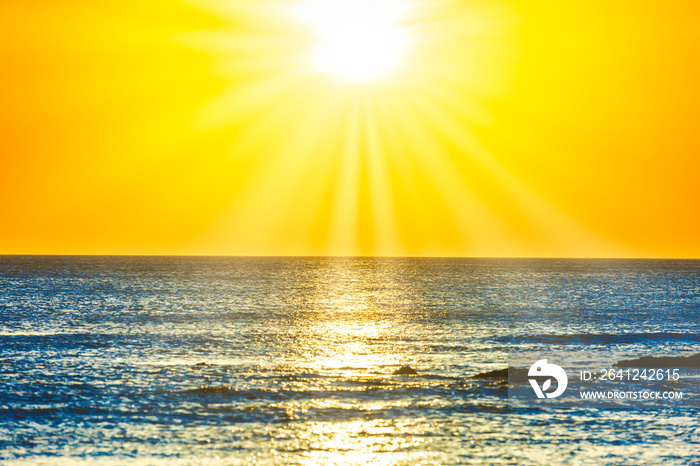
pixel 472 216
pixel 272 190
pixel 343 238
pixel 367 144
pixel 387 237
pixel 528 211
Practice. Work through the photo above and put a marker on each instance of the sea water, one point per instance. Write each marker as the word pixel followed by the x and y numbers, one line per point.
pixel 213 360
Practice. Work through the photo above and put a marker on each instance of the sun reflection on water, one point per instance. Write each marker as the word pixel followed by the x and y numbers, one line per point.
pixel 361 442
pixel 352 348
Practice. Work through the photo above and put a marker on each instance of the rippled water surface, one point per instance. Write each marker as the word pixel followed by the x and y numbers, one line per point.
pixel 137 360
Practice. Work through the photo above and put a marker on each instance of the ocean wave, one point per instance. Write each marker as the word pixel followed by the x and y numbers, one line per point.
pixel 601 338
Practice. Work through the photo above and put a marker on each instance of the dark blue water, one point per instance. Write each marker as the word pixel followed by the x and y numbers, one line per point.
pixel 176 360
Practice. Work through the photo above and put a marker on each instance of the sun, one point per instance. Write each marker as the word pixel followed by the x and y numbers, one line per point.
pixel 357 40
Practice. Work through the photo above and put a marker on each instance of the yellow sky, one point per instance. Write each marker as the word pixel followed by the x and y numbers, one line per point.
pixel 509 128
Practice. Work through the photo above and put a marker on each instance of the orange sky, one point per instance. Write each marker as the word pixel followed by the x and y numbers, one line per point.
pixel 519 128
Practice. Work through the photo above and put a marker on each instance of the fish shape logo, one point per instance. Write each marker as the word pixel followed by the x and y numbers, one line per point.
pixel 541 369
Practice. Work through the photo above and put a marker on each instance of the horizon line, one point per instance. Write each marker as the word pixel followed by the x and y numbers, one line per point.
pixel 271 256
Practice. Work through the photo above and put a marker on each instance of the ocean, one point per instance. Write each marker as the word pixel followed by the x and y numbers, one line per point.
pixel 218 360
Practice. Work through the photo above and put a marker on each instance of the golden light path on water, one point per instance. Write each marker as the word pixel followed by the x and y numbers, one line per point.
pixel 341 348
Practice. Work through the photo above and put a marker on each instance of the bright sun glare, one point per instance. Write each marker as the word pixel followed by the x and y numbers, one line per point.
pixel 358 40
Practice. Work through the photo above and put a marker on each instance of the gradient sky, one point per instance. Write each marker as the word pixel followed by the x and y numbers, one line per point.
pixel 514 128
